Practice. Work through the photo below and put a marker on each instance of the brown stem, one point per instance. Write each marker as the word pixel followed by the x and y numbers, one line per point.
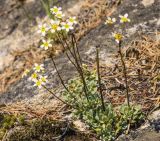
pixel 56 96
pixel 76 47
pixel 79 68
pixel 125 73
pixel 99 78
pixel 62 82
pixel 84 86
pixel 68 46
pixel 61 41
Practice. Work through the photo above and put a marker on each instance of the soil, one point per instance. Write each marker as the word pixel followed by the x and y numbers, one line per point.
pixel 145 19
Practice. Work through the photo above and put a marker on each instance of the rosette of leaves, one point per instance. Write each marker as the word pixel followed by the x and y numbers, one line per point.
pixel 107 124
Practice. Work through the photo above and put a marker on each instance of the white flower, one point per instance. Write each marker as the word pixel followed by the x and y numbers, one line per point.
pixel 110 21
pixel 38 68
pixel 25 73
pixel 46 44
pixel 72 20
pixel 55 10
pixel 117 36
pixel 43 29
pixel 38 83
pixel 43 79
pixel 66 26
pixel 59 15
pixel 55 25
pixel 124 19
pixel 34 77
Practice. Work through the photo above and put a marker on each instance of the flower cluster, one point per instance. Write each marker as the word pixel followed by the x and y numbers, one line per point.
pixel 37 77
pixel 123 19
pixel 56 25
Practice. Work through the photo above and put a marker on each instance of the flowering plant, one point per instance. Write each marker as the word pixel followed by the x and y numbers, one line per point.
pixel 85 93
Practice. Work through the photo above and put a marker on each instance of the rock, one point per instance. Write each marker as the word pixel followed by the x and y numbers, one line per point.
pixel 147 3
pixel 155 115
pixel 149 136
pixel 80 125
pixel 18 25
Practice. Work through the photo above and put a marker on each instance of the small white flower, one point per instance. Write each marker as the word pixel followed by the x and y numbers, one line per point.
pixel 38 83
pixel 117 36
pixel 38 68
pixel 59 15
pixel 55 26
pixel 124 19
pixel 46 44
pixel 110 21
pixel 34 77
pixel 43 79
pixel 25 73
pixel 72 20
pixel 43 29
pixel 66 26
pixel 55 9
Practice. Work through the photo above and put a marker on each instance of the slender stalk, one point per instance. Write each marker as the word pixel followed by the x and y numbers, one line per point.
pixel 124 73
pixel 61 41
pixel 79 68
pixel 84 86
pixel 62 82
pixel 99 78
pixel 68 46
pixel 75 41
pixel 56 96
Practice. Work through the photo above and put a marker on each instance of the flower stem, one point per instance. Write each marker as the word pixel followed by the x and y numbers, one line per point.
pixel 61 41
pixel 62 82
pixel 56 96
pixel 124 73
pixel 99 78
pixel 78 64
pixel 76 47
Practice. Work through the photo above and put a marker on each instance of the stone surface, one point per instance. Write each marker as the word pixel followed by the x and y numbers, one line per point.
pixel 18 25
pixel 147 2
pixel 149 136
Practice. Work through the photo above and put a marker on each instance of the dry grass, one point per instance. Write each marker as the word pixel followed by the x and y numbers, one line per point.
pixel 142 58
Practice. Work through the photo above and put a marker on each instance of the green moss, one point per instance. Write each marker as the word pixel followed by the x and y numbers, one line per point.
pixel 8 121
pixel 37 130
pixel 2 132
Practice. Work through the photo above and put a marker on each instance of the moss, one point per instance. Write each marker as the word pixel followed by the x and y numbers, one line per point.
pixel 2 133
pixel 8 121
pixel 43 130
pixel 37 130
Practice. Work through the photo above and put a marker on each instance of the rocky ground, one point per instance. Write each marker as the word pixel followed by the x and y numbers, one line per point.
pixel 145 19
